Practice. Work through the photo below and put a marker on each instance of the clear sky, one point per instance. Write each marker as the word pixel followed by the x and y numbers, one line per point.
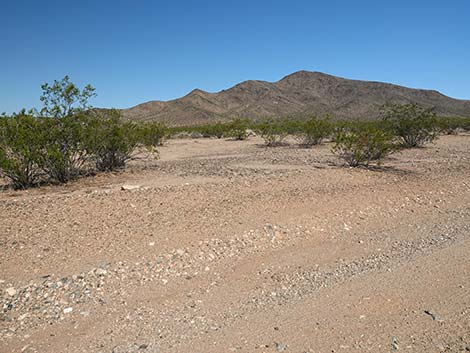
pixel 141 50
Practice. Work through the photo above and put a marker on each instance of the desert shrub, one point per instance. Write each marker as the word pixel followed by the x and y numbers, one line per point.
pixel 217 130
pixel 63 98
pixel 152 134
pixel 413 125
pixel 361 146
pixel 274 131
pixel 111 142
pixel 21 147
pixel 314 131
pixel 237 129
pixel 65 155
pixel 452 125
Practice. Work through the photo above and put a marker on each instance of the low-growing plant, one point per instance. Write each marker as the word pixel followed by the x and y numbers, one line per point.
pixel 361 146
pixel 413 125
pixel 65 155
pixel 237 129
pixel 217 130
pixel 273 131
pixel 314 131
pixel 153 134
pixel 112 142
pixel 21 147
pixel 452 125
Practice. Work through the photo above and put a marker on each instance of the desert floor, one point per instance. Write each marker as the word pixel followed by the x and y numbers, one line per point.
pixel 227 246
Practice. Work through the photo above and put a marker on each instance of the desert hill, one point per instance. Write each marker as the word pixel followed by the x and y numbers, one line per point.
pixel 302 93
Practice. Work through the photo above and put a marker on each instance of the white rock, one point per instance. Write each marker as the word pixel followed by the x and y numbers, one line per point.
pixel 101 272
pixel 68 310
pixel 129 187
pixel 11 291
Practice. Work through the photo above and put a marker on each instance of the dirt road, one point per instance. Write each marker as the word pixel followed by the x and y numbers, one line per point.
pixel 225 246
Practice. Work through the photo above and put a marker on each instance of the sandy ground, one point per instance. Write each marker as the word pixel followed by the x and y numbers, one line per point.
pixel 227 246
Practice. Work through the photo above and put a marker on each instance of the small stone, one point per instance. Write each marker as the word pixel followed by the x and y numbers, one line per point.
pixel 180 252
pixel 152 243
pixel 434 316
pixel 395 346
pixel 68 310
pixel 280 347
pixel 128 187
pixel 11 291
pixel 101 271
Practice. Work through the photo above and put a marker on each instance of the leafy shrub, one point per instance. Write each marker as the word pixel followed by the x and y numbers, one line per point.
pixel 412 124
pixel 274 131
pixel 112 141
pixel 237 129
pixel 452 125
pixel 153 134
pixel 65 155
pixel 361 146
pixel 314 131
pixel 21 145
pixel 63 98
pixel 218 130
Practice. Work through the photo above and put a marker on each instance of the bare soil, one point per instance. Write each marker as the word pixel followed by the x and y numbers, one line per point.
pixel 227 246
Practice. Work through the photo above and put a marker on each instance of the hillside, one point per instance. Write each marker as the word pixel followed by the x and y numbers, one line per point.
pixel 302 93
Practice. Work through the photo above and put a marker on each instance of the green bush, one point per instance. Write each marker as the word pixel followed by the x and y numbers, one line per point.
pixel 111 142
pixel 452 125
pixel 21 146
pixel 314 131
pixel 274 131
pixel 153 134
pixel 361 146
pixel 237 129
pixel 413 125
pixel 65 155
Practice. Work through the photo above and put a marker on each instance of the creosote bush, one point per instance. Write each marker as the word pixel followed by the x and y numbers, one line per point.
pixel 237 129
pixel 273 131
pixel 21 147
pixel 361 146
pixel 413 125
pixel 153 134
pixel 111 141
pixel 39 149
pixel 314 131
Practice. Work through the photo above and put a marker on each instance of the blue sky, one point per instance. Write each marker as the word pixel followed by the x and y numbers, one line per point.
pixel 136 51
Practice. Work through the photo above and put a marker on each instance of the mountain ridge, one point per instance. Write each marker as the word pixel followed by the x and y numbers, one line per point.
pixel 302 93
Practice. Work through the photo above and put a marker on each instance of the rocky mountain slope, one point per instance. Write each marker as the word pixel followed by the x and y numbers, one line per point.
pixel 302 93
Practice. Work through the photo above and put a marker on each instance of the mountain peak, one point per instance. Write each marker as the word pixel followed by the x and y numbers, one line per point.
pixel 302 93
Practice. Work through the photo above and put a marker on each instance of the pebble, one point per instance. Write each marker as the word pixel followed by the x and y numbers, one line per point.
pixel 128 187
pixel 11 291
pixel 68 310
pixel 101 271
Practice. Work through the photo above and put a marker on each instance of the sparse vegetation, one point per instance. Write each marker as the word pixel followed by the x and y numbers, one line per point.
pixel 68 139
pixel 363 145
pixel 273 131
pixel 314 131
pixel 237 129
pixel 21 145
pixel 63 98
pixel 413 125
pixel 68 142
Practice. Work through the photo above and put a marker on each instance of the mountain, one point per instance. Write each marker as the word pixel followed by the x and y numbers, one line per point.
pixel 302 93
